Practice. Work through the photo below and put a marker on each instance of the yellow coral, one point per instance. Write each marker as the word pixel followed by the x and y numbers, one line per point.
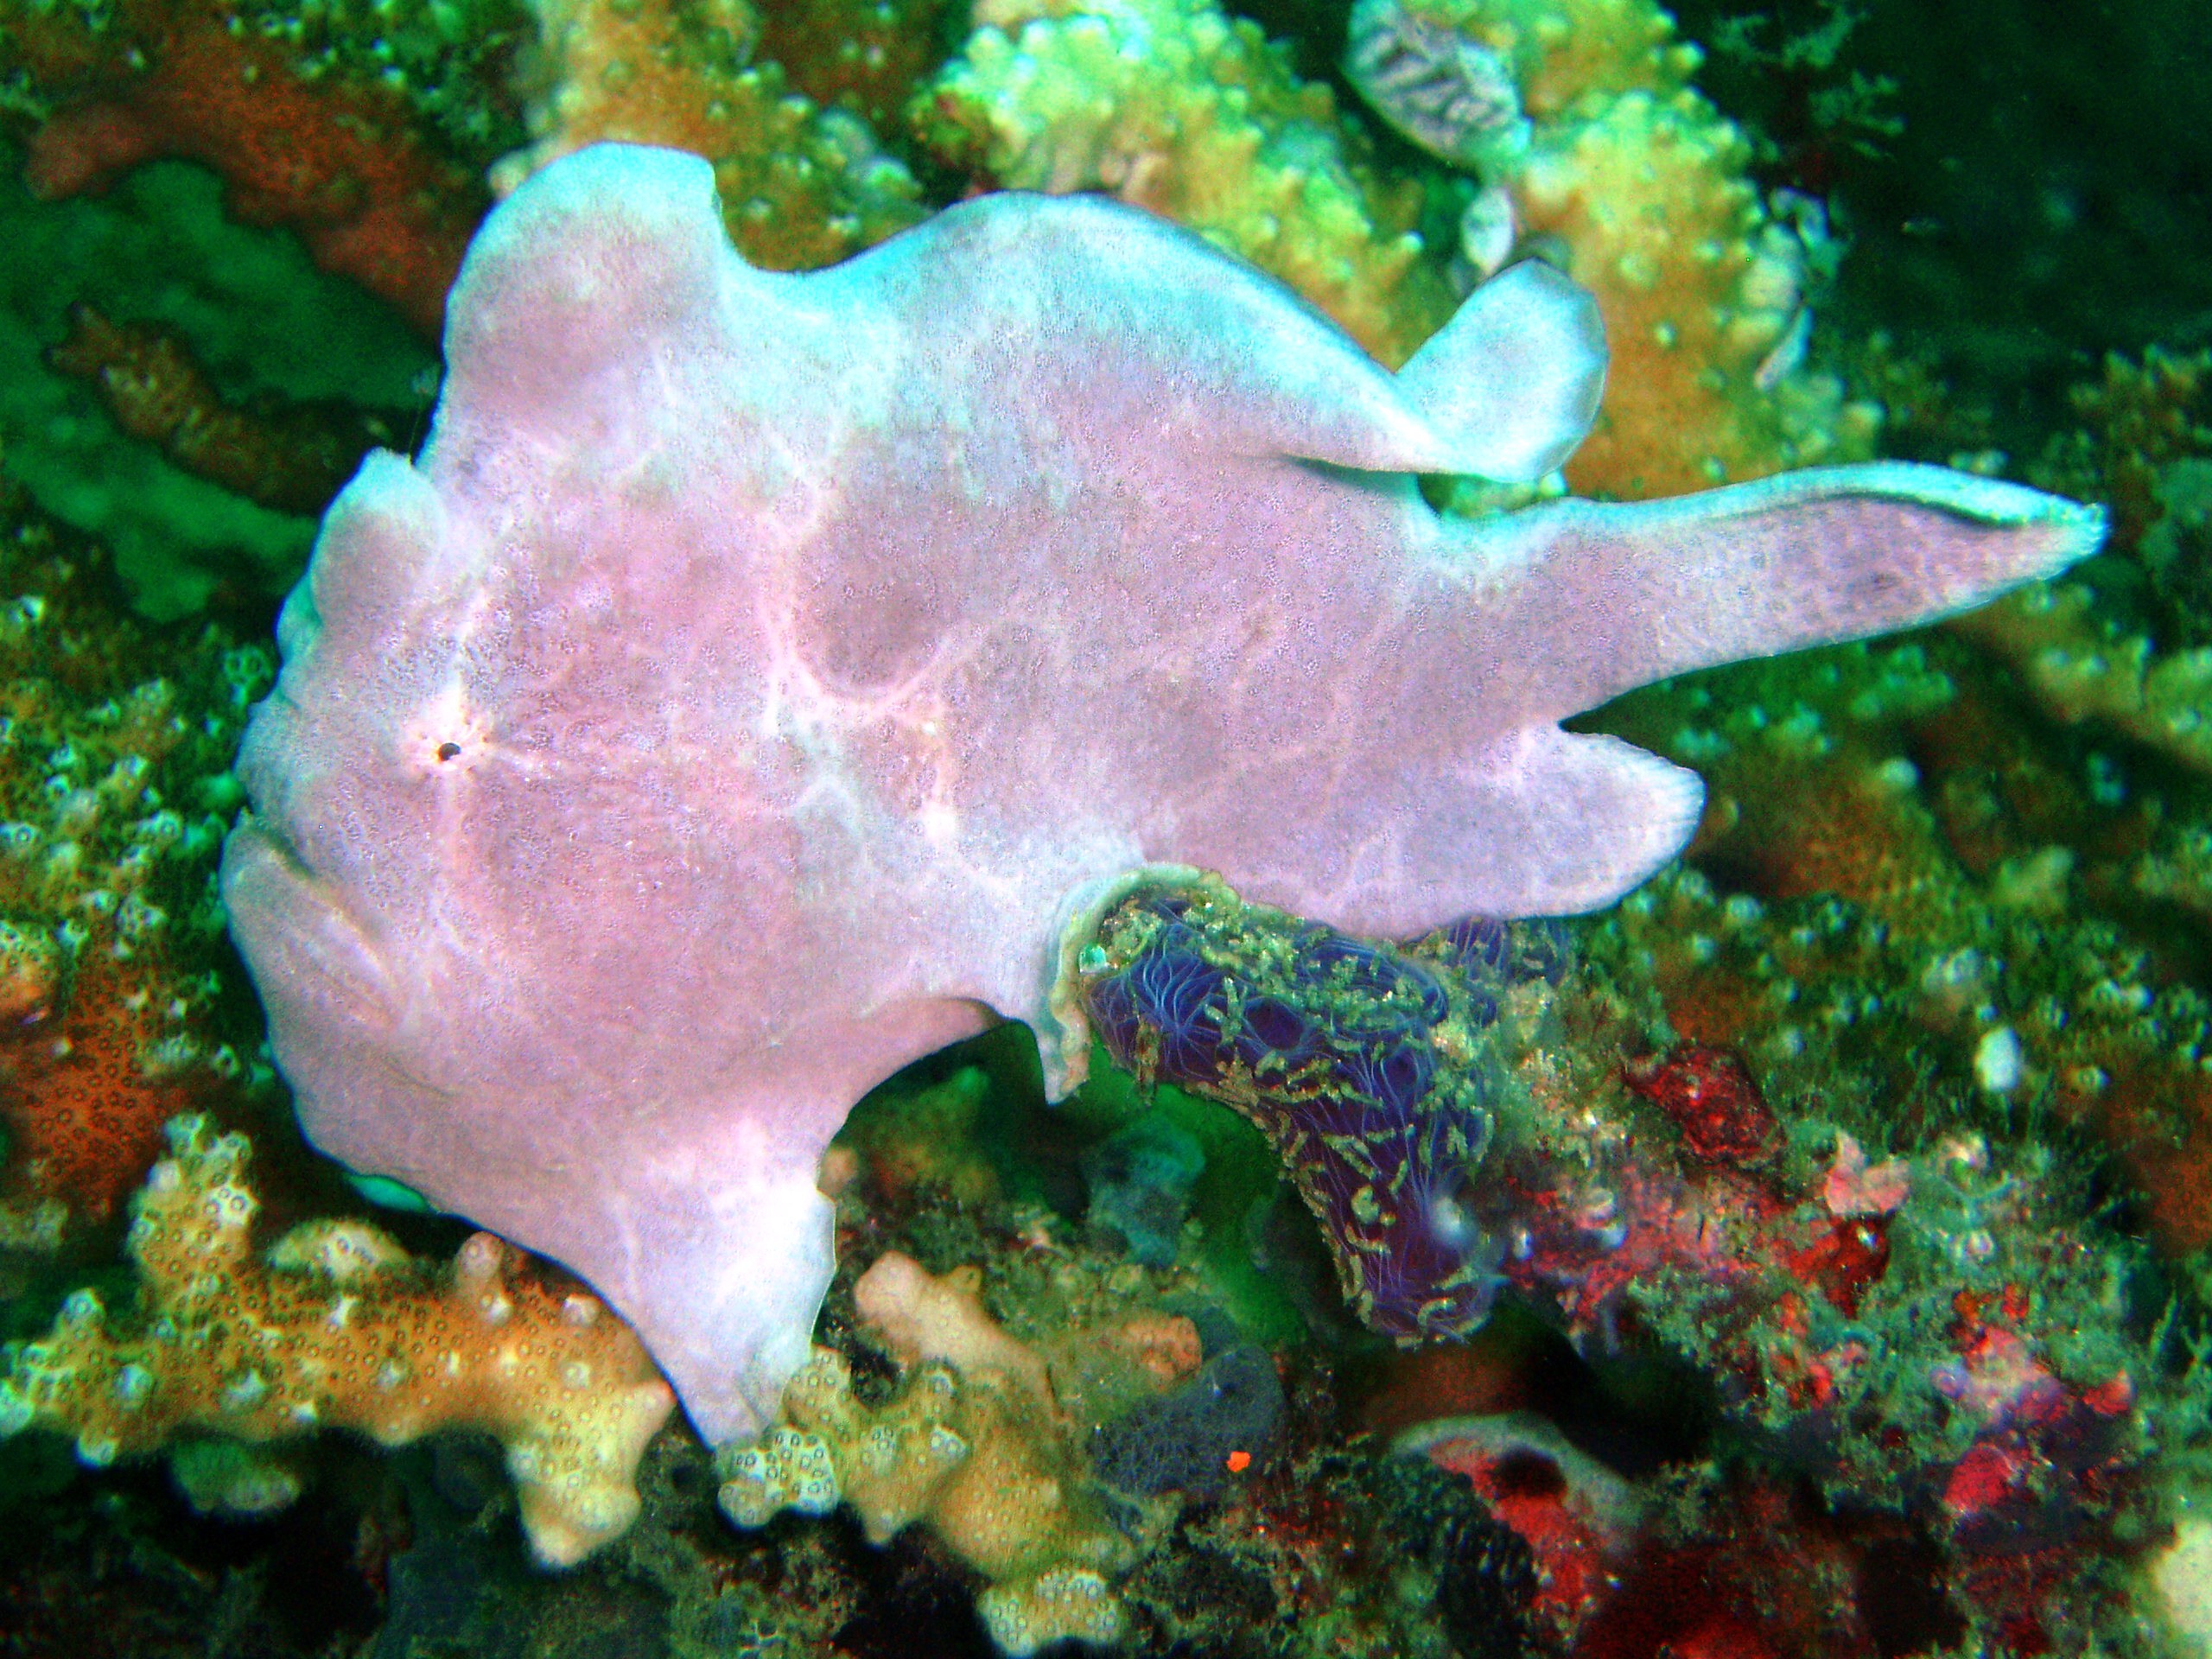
pixel 1062 1604
pixel 801 186
pixel 2081 665
pixel 1700 291
pixel 975 1447
pixel 920 1317
pixel 981 1459
pixel 1642 183
pixel 339 1327
pixel 1175 107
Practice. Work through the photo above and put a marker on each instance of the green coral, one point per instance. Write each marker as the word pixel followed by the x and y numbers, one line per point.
pixel 261 316
pixel 448 59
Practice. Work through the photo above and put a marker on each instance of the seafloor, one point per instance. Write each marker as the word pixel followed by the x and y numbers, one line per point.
pixel 1828 1268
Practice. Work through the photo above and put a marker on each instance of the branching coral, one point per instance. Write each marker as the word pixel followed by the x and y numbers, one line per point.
pixel 336 1326
pixel 2137 422
pixel 341 158
pixel 801 186
pixel 2084 665
pixel 975 1459
pixel 1641 186
pixel 2132 656
pixel 291 457
pixel 264 330
pixel 975 1446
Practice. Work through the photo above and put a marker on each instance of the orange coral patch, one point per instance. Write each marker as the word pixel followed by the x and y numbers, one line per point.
pixel 2162 1128
pixel 84 1119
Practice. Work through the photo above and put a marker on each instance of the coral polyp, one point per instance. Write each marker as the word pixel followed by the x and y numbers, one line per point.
pixel 336 1326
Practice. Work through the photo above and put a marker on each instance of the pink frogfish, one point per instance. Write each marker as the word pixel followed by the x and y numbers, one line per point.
pixel 761 680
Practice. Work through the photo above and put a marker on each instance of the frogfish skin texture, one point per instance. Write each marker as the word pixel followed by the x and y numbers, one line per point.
pixel 756 673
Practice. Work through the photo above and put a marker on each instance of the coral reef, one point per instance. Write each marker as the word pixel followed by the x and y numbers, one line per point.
pixel 114 797
pixel 371 131
pixel 1807 1257
pixel 1977 102
pixel 1955 889
pixel 335 1326
pixel 1203 1507
pixel 1319 1550
pixel 1809 1277
pixel 801 186
pixel 1140 1185
pixel 1195 1438
pixel 976 1445
pixel 2183 1580
pixel 1579 117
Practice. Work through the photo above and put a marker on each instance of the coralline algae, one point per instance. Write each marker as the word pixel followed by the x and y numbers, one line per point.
pixel 758 673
